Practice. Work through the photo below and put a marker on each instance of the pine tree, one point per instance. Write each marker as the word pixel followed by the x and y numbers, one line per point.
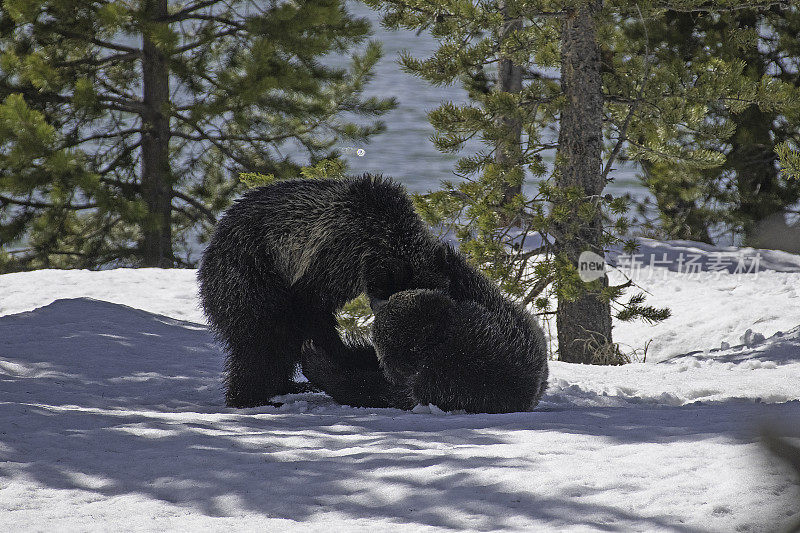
pixel 583 323
pixel 123 125
pixel 746 190
pixel 613 94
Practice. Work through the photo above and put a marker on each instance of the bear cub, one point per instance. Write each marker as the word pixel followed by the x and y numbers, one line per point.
pixel 428 348
pixel 461 355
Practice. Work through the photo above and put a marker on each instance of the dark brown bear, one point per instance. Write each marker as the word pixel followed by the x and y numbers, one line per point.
pixel 285 257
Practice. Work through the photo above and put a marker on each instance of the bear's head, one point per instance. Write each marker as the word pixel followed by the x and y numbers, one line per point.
pixel 394 271
pixel 407 327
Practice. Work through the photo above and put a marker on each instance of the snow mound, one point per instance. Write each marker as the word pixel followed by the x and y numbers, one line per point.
pixel 111 412
pixel 98 354
pixel 673 255
pixel 765 372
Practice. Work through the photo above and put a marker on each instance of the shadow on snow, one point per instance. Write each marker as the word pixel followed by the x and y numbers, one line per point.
pixel 114 400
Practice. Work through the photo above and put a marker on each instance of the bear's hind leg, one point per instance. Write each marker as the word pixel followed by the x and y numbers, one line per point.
pixel 256 319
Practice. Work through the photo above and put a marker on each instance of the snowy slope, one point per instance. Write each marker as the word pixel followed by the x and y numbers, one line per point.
pixel 111 416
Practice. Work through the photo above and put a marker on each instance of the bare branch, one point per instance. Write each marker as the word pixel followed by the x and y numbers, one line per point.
pixel 132 106
pixel 535 251
pixel 537 289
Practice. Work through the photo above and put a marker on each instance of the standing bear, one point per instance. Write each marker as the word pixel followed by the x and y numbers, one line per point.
pixel 284 258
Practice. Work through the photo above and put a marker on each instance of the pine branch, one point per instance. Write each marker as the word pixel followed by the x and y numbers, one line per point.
pixel 30 93
pixel 223 137
pixel 96 62
pixel 122 185
pixel 623 132
pixel 215 142
pixel 112 104
pixel 185 12
pixel 721 9
pixel 94 40
pixel 214 18
pixel 112 135
pixel 6 200
pixel 205 40
pixel 119 92
pixel 123 154
pixel 197 205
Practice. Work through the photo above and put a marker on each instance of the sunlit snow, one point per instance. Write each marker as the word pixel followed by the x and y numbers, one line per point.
pixel 112 417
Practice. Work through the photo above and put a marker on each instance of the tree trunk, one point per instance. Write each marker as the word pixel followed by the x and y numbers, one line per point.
pixel 156 183
pixel 509 80
pixel 583 325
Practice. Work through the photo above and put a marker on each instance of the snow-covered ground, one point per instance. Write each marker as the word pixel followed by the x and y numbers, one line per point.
pixel 112 417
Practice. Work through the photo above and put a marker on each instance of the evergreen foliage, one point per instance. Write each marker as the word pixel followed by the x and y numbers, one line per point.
pixel 741 187
pixel 653 108
pixel 790 161
pixel 123 125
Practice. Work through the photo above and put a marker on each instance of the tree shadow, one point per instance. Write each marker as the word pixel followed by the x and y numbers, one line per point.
pixel 104 398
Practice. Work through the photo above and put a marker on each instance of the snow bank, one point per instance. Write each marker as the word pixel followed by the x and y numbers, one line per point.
pixel 112 416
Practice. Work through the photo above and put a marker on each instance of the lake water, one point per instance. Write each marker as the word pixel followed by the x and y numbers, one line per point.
pixel 404 151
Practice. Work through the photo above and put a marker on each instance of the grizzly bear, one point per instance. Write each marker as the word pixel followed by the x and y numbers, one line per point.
pixel 285 257
pixel 428 348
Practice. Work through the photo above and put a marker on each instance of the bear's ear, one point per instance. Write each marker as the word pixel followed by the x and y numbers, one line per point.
pixel 441 256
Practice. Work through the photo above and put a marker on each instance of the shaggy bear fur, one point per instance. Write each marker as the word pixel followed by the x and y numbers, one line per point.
pixel 461 355
pixel 472 350
pixel 353 377
pixel 285 257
